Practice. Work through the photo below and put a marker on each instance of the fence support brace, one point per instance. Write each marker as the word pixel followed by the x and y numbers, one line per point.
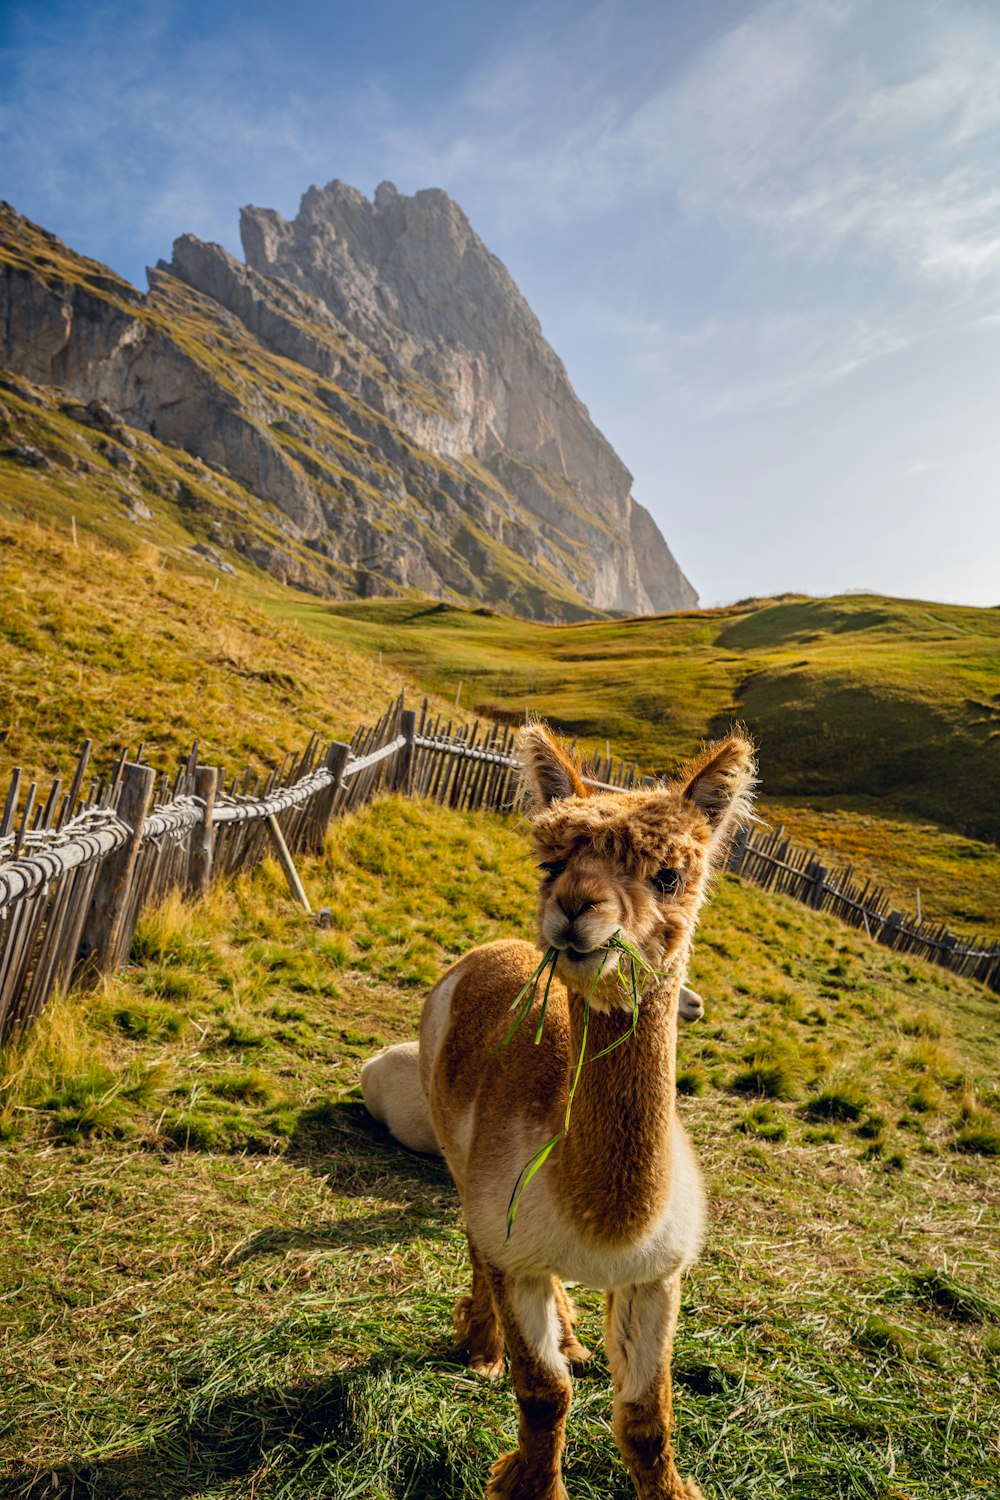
pixel 291 873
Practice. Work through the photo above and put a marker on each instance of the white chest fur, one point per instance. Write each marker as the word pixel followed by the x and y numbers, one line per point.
pixel 544 1240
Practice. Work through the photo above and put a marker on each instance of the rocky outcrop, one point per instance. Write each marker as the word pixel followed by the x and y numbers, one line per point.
pixel 374 373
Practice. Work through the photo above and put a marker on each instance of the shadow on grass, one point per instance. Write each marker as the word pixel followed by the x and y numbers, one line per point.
pixel 358 1158
pixel 373 1231
pixel 340 1142
pixel 316 1439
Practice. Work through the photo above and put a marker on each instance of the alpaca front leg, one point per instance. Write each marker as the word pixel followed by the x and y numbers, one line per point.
pixel 639 1331
pixel 533 1325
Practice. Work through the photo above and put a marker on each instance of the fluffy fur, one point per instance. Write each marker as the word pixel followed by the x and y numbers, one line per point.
pixel 390 1083
pixel 619 1203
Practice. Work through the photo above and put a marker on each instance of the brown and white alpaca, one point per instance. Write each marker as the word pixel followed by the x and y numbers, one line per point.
pixel 618 1204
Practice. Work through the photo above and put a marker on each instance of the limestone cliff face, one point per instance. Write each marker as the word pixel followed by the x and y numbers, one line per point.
pixel 372 372
pixel 411 279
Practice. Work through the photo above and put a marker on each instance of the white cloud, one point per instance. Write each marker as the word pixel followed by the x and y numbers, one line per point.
pixel 838 158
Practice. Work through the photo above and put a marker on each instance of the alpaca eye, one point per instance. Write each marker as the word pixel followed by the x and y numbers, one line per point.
pixel 553 868
pixel 667 882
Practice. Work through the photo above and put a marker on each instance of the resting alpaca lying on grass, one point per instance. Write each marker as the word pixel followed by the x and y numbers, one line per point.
pixel 618 1203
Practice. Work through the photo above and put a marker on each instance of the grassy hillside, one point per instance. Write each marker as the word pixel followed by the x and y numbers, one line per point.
pixel 958 879
pixel 220 1279
pixel 860 695
pixel 878 720
pixel 128 635
pixel 124 647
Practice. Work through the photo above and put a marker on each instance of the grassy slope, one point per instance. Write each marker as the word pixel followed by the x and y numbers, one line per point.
pixel 221 1280
pixel 858 695
pixel 958 878
pixel 878 720
pixel 124 646
pixel 129 636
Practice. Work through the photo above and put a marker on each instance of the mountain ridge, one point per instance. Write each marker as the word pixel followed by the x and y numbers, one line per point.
pixel 398 459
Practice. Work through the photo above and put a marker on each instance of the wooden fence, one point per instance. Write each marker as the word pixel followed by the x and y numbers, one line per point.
pixel 78 866
pixel 770 859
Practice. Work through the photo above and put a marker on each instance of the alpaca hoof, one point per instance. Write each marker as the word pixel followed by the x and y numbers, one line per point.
pixel 489 1367
pixel 579 1356
pixel 511 1480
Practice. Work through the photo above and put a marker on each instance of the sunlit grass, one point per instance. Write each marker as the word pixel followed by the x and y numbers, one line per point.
pixel 889 700
pixel 235 1284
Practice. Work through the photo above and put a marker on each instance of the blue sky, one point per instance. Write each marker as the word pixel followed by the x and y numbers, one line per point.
pixel 764 238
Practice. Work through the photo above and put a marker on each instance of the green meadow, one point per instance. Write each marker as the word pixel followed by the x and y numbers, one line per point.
pixel 856 696
pixel 877 720
pixel 222 1279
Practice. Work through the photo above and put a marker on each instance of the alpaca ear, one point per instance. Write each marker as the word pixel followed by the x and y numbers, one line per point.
pixel 721 781
pixel 548 772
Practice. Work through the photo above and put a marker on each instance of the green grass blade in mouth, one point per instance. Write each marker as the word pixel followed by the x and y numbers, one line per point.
pixel 525 997
pixel 636 963
pixel 579 1062
pixel 540 1157
pixel 624 946
pixel 632 1029
pixel 545 997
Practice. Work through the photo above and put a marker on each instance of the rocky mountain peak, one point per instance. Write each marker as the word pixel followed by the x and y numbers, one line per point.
pixel 373 372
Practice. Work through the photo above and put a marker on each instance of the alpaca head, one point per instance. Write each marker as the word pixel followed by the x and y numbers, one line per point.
pixel 634 862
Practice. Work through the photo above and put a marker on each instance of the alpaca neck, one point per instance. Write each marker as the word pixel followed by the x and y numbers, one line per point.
pixel 614 1162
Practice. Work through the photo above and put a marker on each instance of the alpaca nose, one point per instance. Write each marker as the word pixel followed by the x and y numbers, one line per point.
pixel 571 914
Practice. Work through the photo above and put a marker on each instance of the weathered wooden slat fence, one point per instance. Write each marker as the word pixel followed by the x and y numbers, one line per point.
pixel 77 869
pixel 770 859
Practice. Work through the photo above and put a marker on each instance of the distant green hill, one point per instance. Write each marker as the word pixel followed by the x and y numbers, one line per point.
pixel 892 699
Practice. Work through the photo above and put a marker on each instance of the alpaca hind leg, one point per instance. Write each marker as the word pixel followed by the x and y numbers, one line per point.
pixel 477 1323
pixel 639 1329
pixel 577 1354
pixel 533 1327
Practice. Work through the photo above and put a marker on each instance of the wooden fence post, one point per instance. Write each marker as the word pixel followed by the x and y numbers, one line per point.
pixel 404 763
pixel 336 759
pixel 206 781
pixel 106 935
pixel 817 875
pixel 889 934
pixel 738 848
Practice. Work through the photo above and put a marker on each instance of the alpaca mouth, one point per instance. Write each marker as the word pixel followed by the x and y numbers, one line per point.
pixel 606 959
